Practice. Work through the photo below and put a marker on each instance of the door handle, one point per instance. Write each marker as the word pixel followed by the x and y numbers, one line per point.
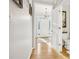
pixel 59 27
pixel 51 30
pixel 59 44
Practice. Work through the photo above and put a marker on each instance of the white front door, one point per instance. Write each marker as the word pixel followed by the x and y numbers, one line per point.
pixel 44 27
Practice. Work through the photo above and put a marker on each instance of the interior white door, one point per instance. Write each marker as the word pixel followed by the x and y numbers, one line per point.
pixel 57 29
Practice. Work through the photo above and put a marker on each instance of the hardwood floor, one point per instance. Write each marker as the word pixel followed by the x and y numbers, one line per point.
pixel 43 51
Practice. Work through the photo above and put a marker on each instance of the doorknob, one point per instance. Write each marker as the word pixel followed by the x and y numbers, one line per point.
pixel 59 44
pixel 51 30
pixel 59 27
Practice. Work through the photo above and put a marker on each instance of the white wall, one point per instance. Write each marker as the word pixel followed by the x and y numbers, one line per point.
pixel 20 36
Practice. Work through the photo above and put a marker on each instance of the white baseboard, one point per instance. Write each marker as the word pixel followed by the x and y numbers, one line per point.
pixel 30 53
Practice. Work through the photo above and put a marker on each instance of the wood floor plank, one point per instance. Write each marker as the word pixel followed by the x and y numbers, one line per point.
pixel 64 52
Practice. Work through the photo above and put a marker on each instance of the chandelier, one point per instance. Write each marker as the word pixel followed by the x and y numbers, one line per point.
pixel 57 2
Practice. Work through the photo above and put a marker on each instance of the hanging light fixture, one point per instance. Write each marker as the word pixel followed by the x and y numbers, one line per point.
pixel 57 3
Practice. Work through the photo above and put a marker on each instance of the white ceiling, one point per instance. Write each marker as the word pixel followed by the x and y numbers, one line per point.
pixel 45 1
pixel 50 2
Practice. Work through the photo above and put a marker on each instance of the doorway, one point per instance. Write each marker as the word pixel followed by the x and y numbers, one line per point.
pixel 42 24
pixel 47 26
